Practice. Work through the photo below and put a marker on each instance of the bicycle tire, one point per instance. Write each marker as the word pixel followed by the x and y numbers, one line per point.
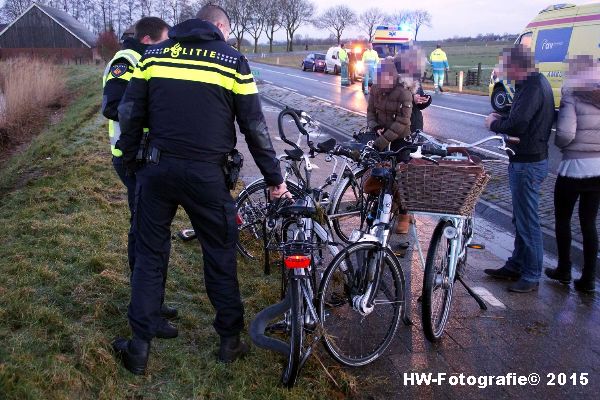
pixel 253 216
pixel 292 369
pixel 434 318
pixel 374 331
pixel 350 203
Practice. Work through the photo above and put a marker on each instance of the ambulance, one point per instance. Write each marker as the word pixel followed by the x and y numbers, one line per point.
pixel 389 40
pixel 557 33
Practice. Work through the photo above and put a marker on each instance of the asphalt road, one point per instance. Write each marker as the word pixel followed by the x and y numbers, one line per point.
pixel 451 115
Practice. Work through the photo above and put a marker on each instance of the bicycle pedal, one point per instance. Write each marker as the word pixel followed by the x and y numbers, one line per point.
pixel 476 246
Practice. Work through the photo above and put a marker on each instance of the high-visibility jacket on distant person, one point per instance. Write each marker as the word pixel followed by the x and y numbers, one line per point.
pixel 439 61
pixel 343 55
pixel 370 57
pixel 116 76
pixel 190 90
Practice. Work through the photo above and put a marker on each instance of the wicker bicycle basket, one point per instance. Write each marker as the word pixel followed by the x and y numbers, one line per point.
pixel 450 187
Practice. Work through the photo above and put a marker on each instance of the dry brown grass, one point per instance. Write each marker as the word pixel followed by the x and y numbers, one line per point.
pixel 30 88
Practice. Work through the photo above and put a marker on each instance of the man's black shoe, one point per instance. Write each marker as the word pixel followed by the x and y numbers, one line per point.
pixel 523 286
pixel 561 275
pixel 232 348
pixel 503 273
pixel 585 285
pixel 166 330
pixel 168 312
pixel 133 354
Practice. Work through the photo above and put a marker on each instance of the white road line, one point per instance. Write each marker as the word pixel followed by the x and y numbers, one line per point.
pixel 480 149
pixel 489 297
pixel 460 111
pixel 322 99
pixel 285 73
pixel 293 90
pixel 351 111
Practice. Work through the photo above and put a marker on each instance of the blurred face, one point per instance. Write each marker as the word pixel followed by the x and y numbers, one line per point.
pixel 387 80
pixel 370 46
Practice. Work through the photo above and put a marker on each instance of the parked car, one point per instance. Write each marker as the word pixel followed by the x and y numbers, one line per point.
pixel 332 61
pixel 314 62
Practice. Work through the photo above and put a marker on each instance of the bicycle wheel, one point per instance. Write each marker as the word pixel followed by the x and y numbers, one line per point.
pixel 347 208
pixel 251 207
pixel 437 288
pixel 354 337
pixel 296 333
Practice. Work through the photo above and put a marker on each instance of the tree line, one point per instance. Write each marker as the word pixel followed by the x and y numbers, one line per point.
pixel 249 18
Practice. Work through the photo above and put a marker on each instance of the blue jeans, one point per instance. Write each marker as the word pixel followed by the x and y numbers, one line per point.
pixel 344 74
pixel 525 180
pixel 368 77
pixel 438 79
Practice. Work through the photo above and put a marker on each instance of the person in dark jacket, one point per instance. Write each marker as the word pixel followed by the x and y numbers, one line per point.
pixel 189 91
pixel 530 119
pixel 578 137
pixel 410 64
pixel 118 72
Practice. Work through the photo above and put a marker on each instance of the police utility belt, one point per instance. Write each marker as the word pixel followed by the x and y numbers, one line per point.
pixel 231 162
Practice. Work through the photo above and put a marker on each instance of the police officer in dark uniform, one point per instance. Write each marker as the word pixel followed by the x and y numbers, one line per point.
pixel 189 91
pixel 118 72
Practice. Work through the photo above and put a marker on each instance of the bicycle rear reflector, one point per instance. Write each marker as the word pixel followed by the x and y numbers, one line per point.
pixel 238 219
pixel 299 261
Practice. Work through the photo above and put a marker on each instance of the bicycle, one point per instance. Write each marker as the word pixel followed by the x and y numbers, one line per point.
pixel 452 237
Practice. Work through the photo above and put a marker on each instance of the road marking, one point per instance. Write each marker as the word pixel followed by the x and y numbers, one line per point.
pixel 267 81
pixel 293 90
pixel 460 111
pixel 480 149
pixel 489 297
pixel 351 111
pixel 322 99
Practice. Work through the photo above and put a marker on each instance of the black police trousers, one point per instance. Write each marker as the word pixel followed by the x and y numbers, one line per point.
pixel 130 184
pixel 199 187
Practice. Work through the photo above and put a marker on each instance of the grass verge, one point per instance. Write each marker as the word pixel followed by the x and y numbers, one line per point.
pixel 64 283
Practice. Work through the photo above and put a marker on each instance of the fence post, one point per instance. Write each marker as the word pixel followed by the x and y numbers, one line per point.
pixel 460 81
pixel 478 74
pixel 277 60
pixel 456 78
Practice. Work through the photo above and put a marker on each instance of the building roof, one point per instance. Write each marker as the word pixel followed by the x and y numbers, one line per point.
pixel 65 20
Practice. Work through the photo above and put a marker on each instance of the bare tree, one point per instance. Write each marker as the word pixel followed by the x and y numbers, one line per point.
pixel 240 13
pixel 369 20
pixel 272 20
pixel 294 14
pixel 400 17
pixel 420 18
pixel 336 19
pixel 13 8
pixel 258 20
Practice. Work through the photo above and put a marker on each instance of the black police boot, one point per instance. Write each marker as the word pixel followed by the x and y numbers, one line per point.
pixel 168 312
pixel 166 331
pixel 232 348
pixel 133 354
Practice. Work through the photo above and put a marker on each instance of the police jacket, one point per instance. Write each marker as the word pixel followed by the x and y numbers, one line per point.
pixel 117 78
pixel 531 118
pixel 189 90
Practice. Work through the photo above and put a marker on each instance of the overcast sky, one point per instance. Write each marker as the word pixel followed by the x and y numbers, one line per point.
pixel 458 17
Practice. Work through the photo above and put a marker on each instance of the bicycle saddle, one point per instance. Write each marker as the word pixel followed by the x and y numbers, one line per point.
pixel 299 208
pixel 294 154
pixel 326 146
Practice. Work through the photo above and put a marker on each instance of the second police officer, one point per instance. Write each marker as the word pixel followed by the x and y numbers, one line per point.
pixel 189 91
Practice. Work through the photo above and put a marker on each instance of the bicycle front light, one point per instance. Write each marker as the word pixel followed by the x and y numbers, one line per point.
pixel 450 232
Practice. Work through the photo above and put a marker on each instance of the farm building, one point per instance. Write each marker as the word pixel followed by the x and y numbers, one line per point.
pixel 43 31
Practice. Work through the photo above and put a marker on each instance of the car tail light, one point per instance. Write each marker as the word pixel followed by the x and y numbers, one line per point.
pixel 298 261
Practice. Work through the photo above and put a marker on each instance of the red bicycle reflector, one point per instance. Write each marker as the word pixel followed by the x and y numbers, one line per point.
pixel 297 262
pixel 238 219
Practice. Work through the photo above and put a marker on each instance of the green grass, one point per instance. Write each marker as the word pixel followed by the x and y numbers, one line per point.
pixel 64 283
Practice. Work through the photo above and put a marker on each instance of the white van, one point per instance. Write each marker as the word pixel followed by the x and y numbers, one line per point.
pixel 332 61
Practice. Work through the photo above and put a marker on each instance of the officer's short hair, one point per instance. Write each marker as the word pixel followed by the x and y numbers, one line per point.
pixel 150 26
pixel 213 13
